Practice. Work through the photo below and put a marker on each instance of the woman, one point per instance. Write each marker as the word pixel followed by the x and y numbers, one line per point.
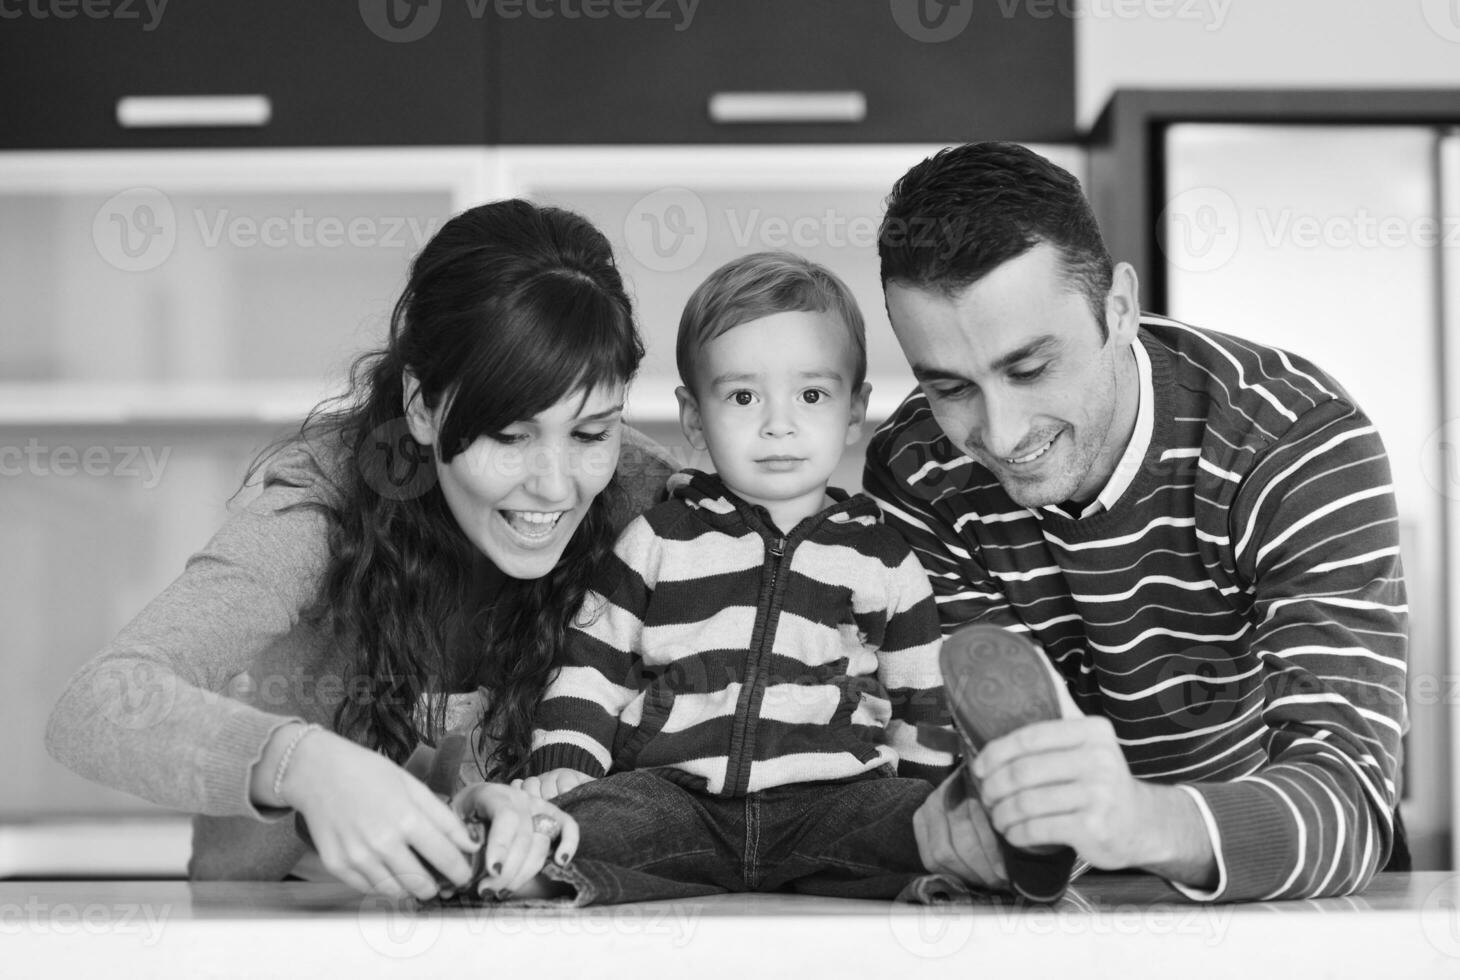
pixel 430 536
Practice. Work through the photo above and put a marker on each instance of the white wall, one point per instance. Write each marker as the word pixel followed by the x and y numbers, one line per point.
pixel 1259 43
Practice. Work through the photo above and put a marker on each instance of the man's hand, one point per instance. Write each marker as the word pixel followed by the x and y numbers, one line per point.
pixel 551 784
pixel 958 840
pixel 1067 782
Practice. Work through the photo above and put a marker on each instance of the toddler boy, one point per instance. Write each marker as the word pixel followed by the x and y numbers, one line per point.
pixel 750 675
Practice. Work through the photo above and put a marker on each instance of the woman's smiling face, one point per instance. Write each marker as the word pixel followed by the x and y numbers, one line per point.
pixel 520 494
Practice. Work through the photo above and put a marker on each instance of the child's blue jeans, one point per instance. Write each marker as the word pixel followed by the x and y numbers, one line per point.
pixel 645 837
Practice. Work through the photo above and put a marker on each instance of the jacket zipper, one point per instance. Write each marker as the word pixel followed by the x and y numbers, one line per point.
pixel 740 767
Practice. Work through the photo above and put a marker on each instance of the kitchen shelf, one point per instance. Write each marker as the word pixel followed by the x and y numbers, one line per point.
pixel 96 404
pixel 107 404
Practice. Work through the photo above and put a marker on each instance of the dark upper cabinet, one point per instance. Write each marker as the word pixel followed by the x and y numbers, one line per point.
pixel 923 70
pixel 444 72
pixel 333 72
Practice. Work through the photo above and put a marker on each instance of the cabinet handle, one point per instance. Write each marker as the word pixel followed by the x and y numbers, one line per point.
pixel 165 111
pixel 788 107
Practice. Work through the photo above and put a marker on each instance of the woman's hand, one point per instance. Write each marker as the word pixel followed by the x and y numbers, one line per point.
pixel 551 784
pixel 517 846
pixel 372 822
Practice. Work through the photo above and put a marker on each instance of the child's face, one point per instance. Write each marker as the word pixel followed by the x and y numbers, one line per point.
pixel 774 405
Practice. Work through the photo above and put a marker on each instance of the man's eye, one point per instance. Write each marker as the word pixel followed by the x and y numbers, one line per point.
pixel 742 397
pixel 1028 375
pixel 952 392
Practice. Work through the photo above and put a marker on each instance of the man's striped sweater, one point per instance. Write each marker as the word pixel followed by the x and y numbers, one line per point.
pixel 746 659
pixel 1238 615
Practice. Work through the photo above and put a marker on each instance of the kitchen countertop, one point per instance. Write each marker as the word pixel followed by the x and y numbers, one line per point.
pixel 1130 926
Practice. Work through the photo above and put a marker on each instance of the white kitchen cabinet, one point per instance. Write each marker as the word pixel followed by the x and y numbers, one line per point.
pixel 165 314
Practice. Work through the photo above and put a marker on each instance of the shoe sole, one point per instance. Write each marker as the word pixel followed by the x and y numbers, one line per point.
pixel 995 684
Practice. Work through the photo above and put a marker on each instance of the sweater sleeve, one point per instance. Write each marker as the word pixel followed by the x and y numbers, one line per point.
pixel 907 667
pixel 599 677
pixel 152 714
pixel 1314 531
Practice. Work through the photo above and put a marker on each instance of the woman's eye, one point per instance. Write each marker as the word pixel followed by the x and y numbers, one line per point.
pixel 593 436
pixel 742 397
pixel 508 438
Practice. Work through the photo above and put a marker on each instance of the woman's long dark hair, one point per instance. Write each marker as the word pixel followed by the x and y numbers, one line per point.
pixel 509 309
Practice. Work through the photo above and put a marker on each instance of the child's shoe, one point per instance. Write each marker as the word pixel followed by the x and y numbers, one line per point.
pixel 995 683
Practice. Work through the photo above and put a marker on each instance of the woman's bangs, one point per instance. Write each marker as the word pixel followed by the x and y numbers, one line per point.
pixel 546 345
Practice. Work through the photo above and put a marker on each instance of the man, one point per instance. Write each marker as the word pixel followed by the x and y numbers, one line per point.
pixel 1199 532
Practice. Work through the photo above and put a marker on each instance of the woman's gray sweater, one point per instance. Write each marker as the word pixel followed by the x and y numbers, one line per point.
pixel 178 707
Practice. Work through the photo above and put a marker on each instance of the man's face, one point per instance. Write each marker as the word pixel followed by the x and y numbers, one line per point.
pixel 1018 377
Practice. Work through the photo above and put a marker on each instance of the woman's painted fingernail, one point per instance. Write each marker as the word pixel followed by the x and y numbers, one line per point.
pixel 497 868
pixel 474 831
pixel 562 858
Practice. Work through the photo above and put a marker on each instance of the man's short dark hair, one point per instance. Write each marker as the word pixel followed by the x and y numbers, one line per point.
pixel 966 210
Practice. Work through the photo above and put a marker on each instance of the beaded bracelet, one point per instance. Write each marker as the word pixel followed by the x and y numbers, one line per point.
pixel 283 766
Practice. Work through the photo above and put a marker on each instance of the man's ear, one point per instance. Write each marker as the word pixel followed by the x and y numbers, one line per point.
pixel 1123 305
pixel 419 418
pixel 689 418
pixel 860 398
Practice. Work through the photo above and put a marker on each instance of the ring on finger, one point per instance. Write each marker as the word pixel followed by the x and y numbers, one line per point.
pixel 546 825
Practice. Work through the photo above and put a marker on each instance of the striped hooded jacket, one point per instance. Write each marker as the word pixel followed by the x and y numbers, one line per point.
pixel 746 658
pixel 1238 615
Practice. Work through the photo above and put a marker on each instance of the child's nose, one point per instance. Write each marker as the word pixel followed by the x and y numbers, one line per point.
pixel 778 421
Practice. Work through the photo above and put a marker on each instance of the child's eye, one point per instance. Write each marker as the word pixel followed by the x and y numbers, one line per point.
pixel 742 397
pixel 813 395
